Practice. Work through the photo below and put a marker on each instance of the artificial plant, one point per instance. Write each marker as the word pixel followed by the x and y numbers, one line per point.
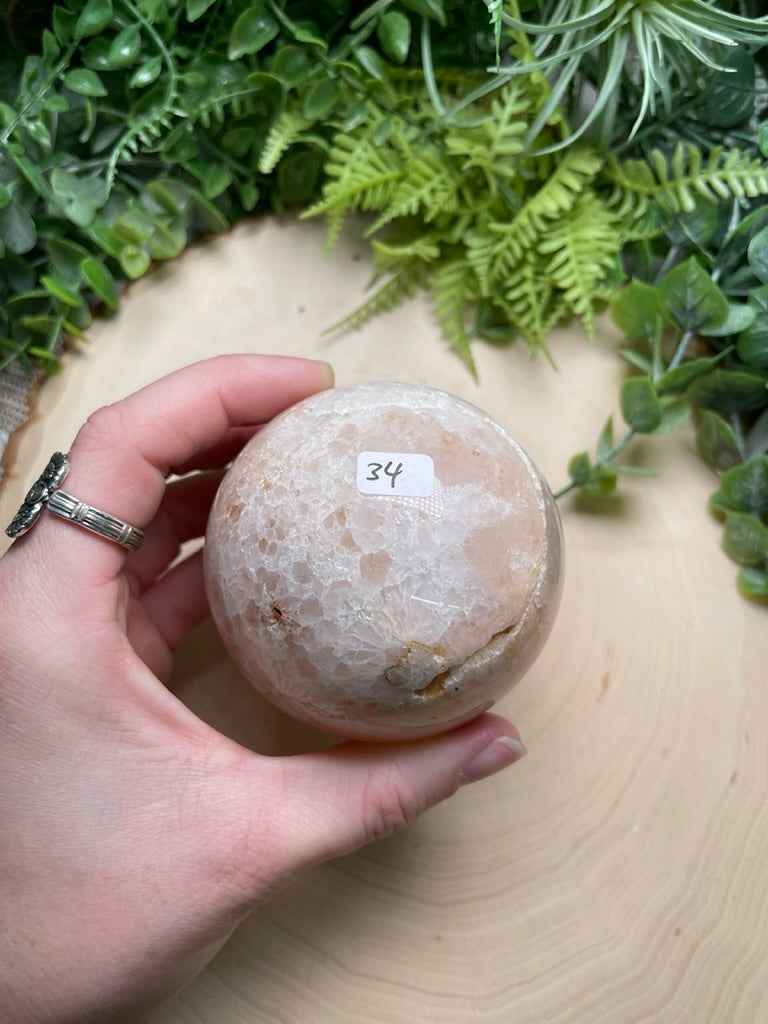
pixel 520 161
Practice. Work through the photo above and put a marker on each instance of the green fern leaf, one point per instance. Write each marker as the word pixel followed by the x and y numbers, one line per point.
pixel 496 248
pixel 392 293
pixel 429 185
pixel 579 252
pixel 674 183
pixel 483 249
pixel 452 291
pixel 495 145
pixel 360 176
pixel 526 300
pixel 390 257
pixel 285 130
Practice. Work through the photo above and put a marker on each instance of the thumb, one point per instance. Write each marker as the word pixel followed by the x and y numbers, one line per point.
pixel 327 804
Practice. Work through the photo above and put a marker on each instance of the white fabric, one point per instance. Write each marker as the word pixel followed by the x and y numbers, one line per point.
pixel 15 386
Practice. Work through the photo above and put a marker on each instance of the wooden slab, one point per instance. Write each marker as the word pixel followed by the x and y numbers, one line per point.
pixel 619 874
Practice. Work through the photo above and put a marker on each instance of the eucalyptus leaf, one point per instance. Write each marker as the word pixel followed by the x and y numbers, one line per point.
pixel 730 98
pixel 640 405
pixel 33 174
pixel 756 440
pixel 741 316
pixel 757 254
pixel 66 256
pixel 638 311
pixel 579 468
pixel 696 226
pixel 605 441
pixel 637 359
pixel 678 378
pixel 753 582
pixel 691 298
pixel 744 488
pixel 745 539
pixel 601 481
pixel 675 412
pixel 729 391
pixel 716 441
pixel 752 343
pixel 17 228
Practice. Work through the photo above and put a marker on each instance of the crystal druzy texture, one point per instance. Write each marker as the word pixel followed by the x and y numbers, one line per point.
pixel 383 561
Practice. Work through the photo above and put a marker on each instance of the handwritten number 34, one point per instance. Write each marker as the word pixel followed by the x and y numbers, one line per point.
pixel 377 467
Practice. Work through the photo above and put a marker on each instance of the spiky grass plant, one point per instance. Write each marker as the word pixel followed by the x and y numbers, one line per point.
pixel 594 54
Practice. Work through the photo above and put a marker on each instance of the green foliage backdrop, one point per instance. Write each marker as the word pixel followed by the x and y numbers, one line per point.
pixel 523 162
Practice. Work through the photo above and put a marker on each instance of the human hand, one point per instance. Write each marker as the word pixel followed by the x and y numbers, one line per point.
pixel 135 837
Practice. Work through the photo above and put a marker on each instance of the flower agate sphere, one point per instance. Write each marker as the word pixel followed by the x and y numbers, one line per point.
pixel 383 561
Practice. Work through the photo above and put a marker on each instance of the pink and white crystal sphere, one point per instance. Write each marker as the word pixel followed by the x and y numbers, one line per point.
pixel 383 561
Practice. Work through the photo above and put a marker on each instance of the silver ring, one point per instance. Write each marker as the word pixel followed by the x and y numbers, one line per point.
pixel 45 493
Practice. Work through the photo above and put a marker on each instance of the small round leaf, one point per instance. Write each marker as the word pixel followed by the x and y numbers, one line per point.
pixel 251 32
pixel 134 261
pixel 757 255
pixel 394 33
pixel 745 539
pixel 94 18
pixel 640 405
pixel 84 82
pixel 716 441
pixel 321 99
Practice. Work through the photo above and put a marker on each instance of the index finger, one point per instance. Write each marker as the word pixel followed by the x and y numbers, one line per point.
pixel 122 455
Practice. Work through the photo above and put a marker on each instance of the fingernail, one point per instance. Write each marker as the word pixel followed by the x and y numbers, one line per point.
pixel 330 376
pixel 500 753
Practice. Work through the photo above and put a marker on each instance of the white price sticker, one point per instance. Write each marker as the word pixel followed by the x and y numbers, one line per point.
pixel 406 474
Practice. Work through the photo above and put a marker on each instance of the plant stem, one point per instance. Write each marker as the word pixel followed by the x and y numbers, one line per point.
pixel 604 461
pixel 37 96
pixel 171 89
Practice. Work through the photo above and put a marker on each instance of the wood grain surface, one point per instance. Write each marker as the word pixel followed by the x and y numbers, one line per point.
pixel 618 874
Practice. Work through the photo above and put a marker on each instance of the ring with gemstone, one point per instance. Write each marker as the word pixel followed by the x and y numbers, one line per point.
pixel 46 493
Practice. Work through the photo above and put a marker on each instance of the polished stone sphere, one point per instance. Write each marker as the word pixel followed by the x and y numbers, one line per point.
pixel 383 561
